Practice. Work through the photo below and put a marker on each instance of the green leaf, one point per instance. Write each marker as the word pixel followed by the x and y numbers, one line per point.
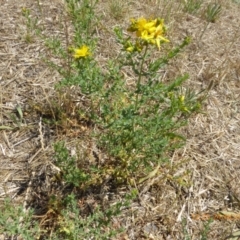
pixel 19 111
pixel 6 128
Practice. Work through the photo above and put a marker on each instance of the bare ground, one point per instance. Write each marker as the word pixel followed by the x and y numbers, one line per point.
pixel 203 179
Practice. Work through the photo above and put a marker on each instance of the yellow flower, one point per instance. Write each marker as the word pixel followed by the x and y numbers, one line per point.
pixel 142 25
pixel 81 52
pixel 182 98
pixel 151 31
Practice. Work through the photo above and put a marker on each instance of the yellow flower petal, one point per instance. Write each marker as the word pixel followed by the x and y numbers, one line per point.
pixel 150 31
pixel 81 52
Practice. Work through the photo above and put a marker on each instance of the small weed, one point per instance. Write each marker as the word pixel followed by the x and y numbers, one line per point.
pixel 15 222
pixel 192 6
pixel 31 24
pixel 71 172
pixel 73 225
pixel 64 217
pixel 17 119
pixel 213 11
pixel 206 229
pixel 184 230
pixel 83 18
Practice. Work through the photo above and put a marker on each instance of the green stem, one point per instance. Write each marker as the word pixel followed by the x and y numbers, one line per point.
pixel 204 30
pixel 138 86
pixel 140 78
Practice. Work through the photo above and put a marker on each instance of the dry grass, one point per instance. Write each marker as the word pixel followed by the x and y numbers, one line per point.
pixel 203 178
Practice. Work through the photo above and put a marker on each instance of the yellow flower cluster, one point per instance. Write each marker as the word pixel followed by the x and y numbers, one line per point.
pixel 81 52
pixel 150 31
